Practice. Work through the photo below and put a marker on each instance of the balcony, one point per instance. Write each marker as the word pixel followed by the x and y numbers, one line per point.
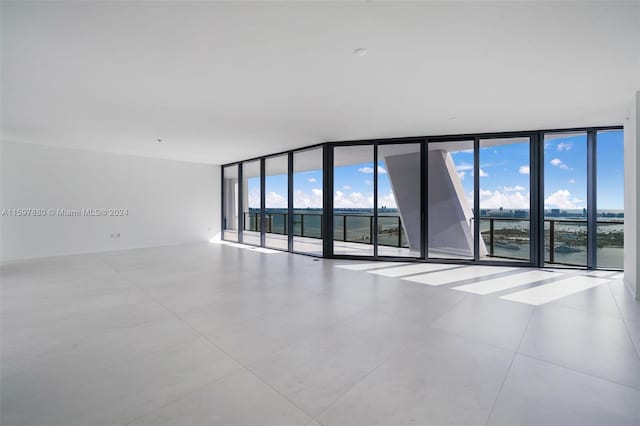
pixel 505 238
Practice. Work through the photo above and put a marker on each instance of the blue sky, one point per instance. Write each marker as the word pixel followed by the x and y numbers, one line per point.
pixel 504 178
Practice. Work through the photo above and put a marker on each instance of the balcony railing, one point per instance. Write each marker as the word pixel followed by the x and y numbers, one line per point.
pixel 504 237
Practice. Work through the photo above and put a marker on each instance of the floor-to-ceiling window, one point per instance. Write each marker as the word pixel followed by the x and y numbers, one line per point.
pixel 307 201
pixel 504 199
pixel 276 202
pixel 230 202
pixel 399 229
pixel 450 216
pixel 353 182
pixel 251 202
pixel 610 196
pixel 534 197
pixel 565 198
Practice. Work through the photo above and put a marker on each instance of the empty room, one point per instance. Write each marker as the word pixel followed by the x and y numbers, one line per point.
pixel 336 213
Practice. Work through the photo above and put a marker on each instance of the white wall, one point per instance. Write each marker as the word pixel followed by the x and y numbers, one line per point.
pixel 168 202
pixel 631 199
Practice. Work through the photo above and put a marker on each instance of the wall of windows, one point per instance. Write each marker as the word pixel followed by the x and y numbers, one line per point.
pixel 534 198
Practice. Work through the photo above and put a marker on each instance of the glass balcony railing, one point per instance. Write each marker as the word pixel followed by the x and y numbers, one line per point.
pixel 504 237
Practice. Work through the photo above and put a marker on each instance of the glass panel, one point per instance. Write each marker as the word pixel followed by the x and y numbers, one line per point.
pixel 450 200
pixel 565 198
pixel 251 193
pixel 230 203
pixel 307 201
pixel 353 200
pixel 610 191
pixel 505 203
pixel 399 231
pixel 276 202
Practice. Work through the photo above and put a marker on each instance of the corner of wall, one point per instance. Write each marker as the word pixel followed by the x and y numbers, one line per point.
pixel 631 199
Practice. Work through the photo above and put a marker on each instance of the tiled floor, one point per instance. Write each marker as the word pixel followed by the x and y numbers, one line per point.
pixel 217 334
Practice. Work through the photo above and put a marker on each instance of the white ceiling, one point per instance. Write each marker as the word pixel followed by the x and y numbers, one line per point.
pixel 220 82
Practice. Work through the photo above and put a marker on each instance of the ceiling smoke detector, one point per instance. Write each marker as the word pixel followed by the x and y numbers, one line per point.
pixel 360 51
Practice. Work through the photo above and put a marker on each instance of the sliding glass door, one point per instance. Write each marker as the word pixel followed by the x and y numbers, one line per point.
pixel 565 198
pixel 504 199
pixel 449 204
pixel 251 203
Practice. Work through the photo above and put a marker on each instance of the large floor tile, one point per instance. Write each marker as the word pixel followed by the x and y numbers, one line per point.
pixel 484 318
pixel 598 345
pixel 238 399
pixel 249 341
pixel 440 379
pixel 124 392
pixel 66 365
pixel 316 371
pixel 538 393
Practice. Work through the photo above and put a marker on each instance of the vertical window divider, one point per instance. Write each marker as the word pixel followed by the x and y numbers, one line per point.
pixel 424 196
pixel 327 200
pixel 374 230
pixel 240 204
pixel 290 201
pixel 476 199
pixel 592 216
pixel 223 201
pixel 263 199
pixel 536 203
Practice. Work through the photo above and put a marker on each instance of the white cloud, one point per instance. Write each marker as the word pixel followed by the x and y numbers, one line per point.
pixel 508 200
pixel 367 182
pixel 303 200
pixel 346 187
pixel 462 175
pixel 513 188
pixel 312 180
pixel 273 200
pixel 464 166
pixel 572 181
pixel 562 199
pixel 353 200
pixel 253 198
pixel 483 173
pixel 558 163
pixel 524 170
pixel 369 170
pixel 388 200
pixel 564 146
